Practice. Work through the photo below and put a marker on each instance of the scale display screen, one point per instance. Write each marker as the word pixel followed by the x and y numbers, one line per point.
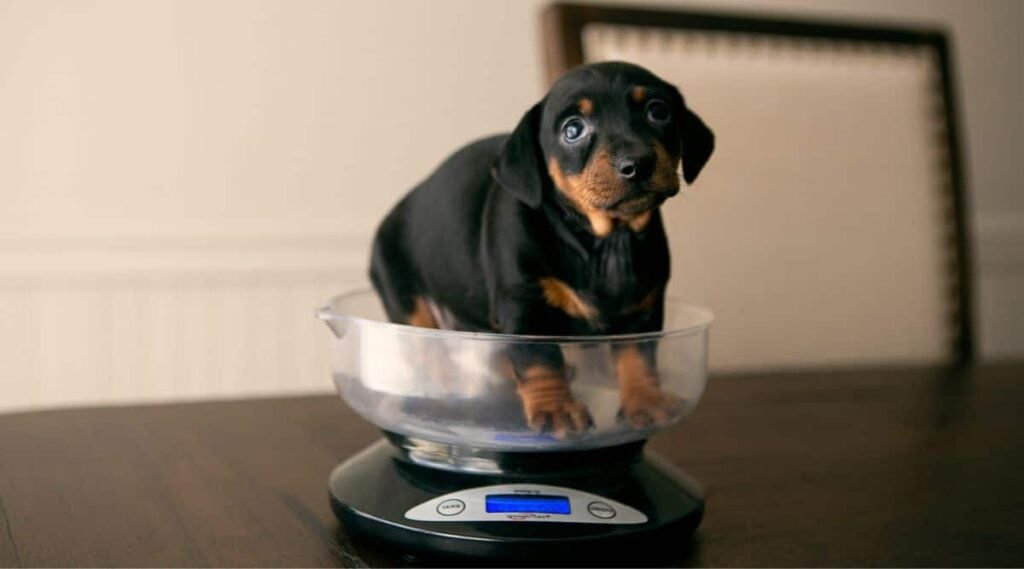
pixel 527 504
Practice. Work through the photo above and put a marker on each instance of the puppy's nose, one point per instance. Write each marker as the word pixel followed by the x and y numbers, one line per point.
pixel 635 168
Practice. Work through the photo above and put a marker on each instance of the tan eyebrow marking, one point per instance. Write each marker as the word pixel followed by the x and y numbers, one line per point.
pixel 586 106
pixel 639 94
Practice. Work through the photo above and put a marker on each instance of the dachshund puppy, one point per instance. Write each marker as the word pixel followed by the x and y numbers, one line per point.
pixel 553 230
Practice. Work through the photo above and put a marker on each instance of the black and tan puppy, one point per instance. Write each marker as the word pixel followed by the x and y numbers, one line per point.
pixel 553 230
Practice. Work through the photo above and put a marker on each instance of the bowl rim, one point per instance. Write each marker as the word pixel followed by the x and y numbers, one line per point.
pixel 704 319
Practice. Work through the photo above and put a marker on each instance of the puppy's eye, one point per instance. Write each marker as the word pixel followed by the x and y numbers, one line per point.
pixel 658 112
pixel 574 129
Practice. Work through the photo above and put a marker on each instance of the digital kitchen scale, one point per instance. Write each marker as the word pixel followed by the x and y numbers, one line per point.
pixel 439 501
pixel 460 473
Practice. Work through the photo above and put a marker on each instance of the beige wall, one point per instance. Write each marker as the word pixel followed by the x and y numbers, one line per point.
pixel 988 50
pixel 183 180
pixel 170 117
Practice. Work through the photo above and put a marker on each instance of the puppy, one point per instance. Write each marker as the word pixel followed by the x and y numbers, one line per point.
pixel 554 230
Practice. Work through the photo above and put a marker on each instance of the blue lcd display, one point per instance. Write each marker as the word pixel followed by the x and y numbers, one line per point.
pixel 527 504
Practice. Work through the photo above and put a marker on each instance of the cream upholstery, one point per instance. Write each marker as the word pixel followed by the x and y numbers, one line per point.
pixel 816 232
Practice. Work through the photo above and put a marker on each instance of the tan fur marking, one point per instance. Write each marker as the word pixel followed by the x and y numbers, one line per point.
pixel 540 372
pixel 586 106
pixel 639 222
pixel 421 315
pixel 666 169
pixel 548 403
pixel 600 222
pixel 632 370
pixel 555 171
pixel 639 94
pixel 563 297
pixel 643 402
pixel 647 303
pixel 597 184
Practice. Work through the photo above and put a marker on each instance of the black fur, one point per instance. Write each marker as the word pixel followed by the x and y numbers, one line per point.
pixel 477 235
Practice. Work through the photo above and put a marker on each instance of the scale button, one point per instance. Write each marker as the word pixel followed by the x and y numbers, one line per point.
pixel 451 507
pixel 601 510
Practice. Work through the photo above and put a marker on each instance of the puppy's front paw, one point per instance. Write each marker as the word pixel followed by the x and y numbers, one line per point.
pixel 645 405
pixel 549 406
pixel 562 419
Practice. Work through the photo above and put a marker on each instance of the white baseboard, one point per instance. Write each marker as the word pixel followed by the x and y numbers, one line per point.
pixel 168 316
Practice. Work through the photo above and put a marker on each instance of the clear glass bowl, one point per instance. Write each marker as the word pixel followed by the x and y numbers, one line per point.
pixel 456 388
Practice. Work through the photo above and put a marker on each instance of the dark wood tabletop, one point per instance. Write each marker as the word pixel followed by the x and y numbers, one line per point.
pixel 896 467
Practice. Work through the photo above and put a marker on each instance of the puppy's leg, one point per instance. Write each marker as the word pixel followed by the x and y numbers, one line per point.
pixel 543 387
pixel 406 302
pixel 539 368
pixel 643 402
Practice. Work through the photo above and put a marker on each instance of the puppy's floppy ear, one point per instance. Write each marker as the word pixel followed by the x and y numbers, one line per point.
pixel 696 140
pixel 518 167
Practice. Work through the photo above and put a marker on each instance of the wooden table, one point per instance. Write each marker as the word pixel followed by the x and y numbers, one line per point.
pixel 902 467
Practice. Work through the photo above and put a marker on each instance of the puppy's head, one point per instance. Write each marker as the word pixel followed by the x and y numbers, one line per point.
pixel 609 137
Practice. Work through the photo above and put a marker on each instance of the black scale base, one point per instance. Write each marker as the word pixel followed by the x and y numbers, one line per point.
pixel 371 492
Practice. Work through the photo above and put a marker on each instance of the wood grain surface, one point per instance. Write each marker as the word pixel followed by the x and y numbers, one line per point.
pixel 896 467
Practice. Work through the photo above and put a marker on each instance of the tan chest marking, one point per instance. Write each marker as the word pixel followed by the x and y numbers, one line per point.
pixel 639 222
pixel 647 303
pixel 563 297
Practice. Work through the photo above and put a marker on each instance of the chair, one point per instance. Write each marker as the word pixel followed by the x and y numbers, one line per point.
pixel 829 227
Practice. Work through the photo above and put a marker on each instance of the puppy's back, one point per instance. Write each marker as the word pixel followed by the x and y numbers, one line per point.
pixel 429 244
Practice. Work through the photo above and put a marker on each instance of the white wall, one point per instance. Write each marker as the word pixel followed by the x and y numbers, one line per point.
pixel 182 181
